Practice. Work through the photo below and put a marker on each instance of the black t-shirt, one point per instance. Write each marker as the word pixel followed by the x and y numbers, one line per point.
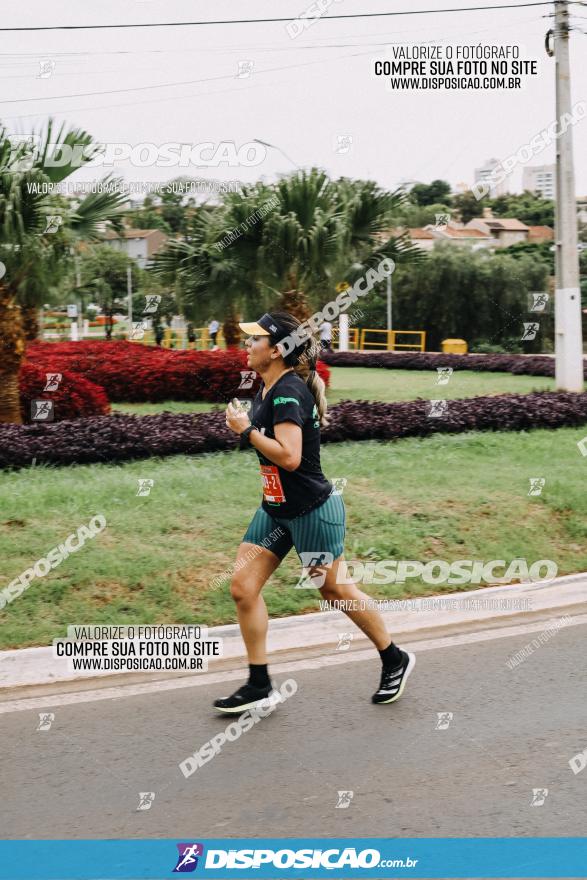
pixel 291 493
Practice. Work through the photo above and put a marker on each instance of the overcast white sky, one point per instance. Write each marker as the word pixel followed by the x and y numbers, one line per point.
pixel 302 95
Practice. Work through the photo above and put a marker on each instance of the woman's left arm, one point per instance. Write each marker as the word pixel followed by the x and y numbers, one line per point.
pixel 285 450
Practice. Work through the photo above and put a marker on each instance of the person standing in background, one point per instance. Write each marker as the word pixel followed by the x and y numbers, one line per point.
pixel 158 331
pixel 326 335
pixel 213 328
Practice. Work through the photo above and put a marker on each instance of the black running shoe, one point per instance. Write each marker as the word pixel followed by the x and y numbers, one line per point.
pixel 393 681
pixel 247 697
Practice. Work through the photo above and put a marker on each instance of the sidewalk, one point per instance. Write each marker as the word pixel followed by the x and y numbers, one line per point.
pixel 316 634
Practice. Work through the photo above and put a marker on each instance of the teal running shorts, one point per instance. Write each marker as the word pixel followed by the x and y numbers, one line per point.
pixel 321 530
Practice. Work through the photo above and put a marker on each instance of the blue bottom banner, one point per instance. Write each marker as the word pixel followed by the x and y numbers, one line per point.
pixel 294 857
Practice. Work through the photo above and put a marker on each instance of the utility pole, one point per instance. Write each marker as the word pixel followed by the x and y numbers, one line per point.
pixel 129 291
pixel 80 304
pixel 389 324
pixel 567 305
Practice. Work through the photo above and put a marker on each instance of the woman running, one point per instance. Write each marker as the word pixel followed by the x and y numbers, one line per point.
pixel 298 508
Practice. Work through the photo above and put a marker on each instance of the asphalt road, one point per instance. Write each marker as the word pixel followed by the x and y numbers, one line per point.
pixel 512 731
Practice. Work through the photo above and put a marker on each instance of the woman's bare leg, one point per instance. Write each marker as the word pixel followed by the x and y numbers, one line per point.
pixel 254 566
pixel 357 605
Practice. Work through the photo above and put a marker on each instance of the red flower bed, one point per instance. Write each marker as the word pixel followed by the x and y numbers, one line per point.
pixel 73 398
pixel 130 372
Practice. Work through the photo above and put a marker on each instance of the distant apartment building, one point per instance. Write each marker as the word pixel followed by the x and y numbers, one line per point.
pixel 140 244
pixel 485 174
pixel 540 179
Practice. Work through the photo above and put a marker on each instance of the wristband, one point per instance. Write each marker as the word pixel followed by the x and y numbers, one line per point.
pixel 245 435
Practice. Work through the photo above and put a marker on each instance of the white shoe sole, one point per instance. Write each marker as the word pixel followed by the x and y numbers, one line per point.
pixel 265 703
pixel 410 666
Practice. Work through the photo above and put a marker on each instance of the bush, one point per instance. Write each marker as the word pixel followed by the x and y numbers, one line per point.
pixel 75 398
pixel 135 373
pixel 122 437
pixel 489 348
pixel 527 365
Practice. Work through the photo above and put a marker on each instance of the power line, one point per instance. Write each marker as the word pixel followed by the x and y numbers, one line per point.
pixel 83 27
pixel 207 79
pixel 187 82
pixel 269 48
pixel 221 91
pixel 230 76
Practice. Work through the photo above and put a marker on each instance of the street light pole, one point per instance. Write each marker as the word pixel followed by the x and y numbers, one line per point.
pixel 129 291
pixel 567 305
pixel 279 150
pixel 80 303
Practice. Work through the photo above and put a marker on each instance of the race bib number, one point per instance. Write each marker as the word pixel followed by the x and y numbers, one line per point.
pixel 272 488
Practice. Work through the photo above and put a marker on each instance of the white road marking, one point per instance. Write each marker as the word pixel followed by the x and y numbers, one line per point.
pixel 119 692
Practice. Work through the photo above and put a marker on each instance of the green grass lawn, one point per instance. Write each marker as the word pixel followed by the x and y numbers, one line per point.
pixel 365 383
pixel 174 406
pixel 442 497
pixel 370 383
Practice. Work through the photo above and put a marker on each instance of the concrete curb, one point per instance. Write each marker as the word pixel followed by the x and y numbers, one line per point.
pixel 318 633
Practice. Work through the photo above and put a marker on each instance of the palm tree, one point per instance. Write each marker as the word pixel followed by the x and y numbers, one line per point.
pixel 295 239
pixel 322 232
pixel 32 256
pixel 209 278
pixel 79 222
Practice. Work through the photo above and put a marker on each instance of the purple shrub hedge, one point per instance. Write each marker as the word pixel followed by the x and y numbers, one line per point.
pixel 530 365
pixel 121 437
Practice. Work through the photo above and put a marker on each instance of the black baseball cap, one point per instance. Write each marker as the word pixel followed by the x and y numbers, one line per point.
pixel 266 326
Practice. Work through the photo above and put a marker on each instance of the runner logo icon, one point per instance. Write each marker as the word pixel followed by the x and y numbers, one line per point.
pixel 187 860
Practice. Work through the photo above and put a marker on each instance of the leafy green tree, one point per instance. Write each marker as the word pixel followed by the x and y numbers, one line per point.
pixel 176 206
pixel 416 216
pixel 530 208
pixel 431 193
pixel 468 206
pixel 169 209
pixel 543 251
pixel 148 216
pixel 472 295
pixel 104 278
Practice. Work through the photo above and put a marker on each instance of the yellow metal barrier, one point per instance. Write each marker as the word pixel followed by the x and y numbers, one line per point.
pixel 390 343
pixel 180 339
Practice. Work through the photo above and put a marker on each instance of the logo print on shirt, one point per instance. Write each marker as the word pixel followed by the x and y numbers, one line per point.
pixel 277 400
